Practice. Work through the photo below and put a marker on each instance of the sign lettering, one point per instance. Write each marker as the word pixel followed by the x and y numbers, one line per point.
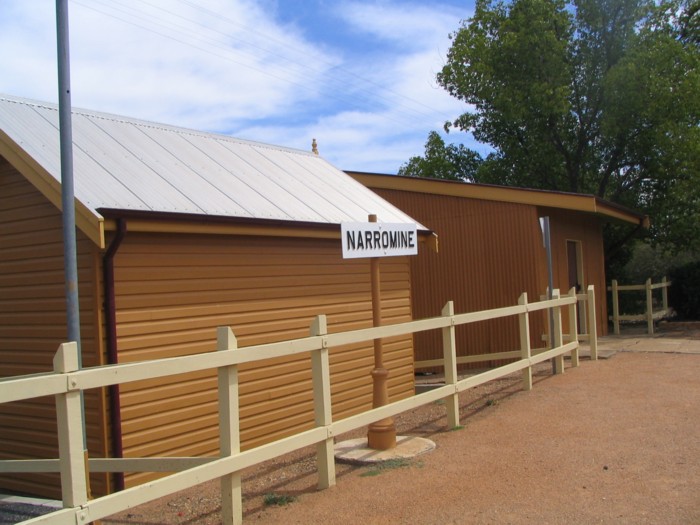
pixel 376 239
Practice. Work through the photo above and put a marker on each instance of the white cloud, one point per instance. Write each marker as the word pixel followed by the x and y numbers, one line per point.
pixel 411 24
pixel 248 68
pixel 202 69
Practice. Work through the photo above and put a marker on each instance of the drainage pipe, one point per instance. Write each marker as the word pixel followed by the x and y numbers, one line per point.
pixel 112 354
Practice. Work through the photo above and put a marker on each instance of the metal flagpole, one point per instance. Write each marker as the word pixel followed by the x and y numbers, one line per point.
pixel 67 190
pixel 70 251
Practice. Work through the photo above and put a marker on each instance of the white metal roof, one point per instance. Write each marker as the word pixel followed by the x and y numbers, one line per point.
pixel 126 164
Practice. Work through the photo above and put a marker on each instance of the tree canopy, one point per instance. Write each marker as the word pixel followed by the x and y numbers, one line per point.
pixel 441 161
pixel 598 97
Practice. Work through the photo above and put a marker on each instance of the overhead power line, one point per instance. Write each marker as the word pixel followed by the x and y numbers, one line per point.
pixel 340 82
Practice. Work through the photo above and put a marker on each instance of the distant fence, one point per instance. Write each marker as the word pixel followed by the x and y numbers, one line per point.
pixel 67 382
pixel 586 326
pixel 649 314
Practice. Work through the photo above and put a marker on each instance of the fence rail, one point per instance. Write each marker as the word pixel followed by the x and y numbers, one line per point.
pixel 649 314
pixel 587 331
pixel 66 383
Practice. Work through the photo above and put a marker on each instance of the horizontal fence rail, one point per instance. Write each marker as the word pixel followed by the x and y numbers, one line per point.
pixel 67 381
pixel 649 314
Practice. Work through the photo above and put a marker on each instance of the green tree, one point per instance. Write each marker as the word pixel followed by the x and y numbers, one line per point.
pixel 598 97
pixel 441 161
pixel 689 23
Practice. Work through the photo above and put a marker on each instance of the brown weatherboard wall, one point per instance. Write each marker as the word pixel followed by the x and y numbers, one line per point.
pixel 172 291
pixel 489 253
pixel 33 324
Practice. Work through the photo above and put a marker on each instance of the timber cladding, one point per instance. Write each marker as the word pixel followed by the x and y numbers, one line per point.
pixel 33 324
pixel 172 291
pixel 490 252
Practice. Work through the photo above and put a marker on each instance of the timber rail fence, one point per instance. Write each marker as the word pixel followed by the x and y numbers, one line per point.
pixel 649 314
pixel 587 326
pixel 67 381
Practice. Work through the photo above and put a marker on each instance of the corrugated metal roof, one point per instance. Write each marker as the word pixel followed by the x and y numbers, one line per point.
pixel 127 164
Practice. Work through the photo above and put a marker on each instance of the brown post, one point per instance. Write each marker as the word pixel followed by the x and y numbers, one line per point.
pixel 381 435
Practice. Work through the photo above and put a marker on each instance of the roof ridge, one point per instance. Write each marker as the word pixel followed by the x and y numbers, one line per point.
pixel 90 113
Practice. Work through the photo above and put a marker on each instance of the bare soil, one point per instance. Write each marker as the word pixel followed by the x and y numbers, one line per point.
pixel 614 441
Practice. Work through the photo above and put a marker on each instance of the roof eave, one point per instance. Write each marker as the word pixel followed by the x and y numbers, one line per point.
pixel 542 198
pixel 165 222
pixel 621 213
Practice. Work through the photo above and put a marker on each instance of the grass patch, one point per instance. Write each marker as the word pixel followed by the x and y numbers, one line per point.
pixel 491 402
pixel 458 427
pixel 279 500
pixel 383 466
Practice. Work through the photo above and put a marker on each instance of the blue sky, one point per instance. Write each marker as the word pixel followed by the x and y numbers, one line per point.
pixel 359 76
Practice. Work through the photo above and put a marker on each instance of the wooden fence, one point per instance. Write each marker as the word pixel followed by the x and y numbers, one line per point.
pixel 67 382
pixel 649 314
pixel 587 325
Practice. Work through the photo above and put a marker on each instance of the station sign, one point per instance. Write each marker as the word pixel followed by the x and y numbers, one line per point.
pixel 378 239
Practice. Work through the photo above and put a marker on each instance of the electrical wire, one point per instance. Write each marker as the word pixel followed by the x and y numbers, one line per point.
pixel 212 41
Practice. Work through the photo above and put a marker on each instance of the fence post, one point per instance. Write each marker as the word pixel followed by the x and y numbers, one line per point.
pixel 592 324
pixel 573 330
pixel 557 335
pixel 229 429
pixel 548 335
pixel 69 416
pixel 524 323
pixel 664 295
pixel 616 308
pixel 650 307
pixel 449 351
pixel 323 416
pixel 582 316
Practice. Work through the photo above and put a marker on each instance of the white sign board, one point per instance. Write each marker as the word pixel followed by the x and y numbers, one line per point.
pixel 378 239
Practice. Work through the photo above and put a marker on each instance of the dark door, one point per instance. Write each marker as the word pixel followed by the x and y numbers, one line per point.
pixel 572 250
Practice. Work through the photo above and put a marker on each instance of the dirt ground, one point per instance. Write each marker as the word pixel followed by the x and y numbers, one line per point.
pixel 613 441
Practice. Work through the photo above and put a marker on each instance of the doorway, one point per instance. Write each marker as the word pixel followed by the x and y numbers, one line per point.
pixel 574 254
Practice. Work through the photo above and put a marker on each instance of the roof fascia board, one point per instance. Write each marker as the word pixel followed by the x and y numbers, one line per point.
pixel 568 201
pixel 203 228
pixel 611 210
pixel 145 225
pixel 88 222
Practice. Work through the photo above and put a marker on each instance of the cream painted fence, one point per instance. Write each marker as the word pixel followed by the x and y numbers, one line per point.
pixel 649 314
pixel 587 325
pixel 66 383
